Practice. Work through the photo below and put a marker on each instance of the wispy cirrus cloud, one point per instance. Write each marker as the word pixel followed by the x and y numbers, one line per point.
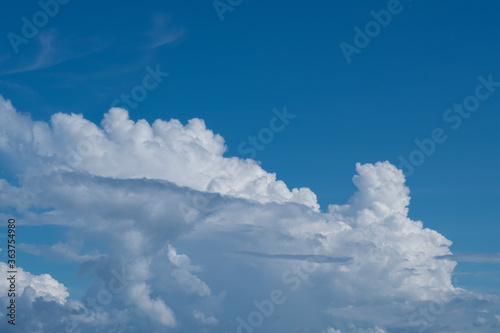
pixel 318 258
pixel 61 252
pixel 52 50
pixel 164 31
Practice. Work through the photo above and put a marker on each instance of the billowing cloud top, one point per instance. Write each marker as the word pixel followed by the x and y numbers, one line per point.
pixel 181 238
pixel 43 286
pixel 188 155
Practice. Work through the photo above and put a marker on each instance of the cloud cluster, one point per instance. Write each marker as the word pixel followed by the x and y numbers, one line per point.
pixel 185 239
pixel 43 286
pixel 189 155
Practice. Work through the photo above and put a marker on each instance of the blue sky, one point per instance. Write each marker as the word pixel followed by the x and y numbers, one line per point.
pixel 263 55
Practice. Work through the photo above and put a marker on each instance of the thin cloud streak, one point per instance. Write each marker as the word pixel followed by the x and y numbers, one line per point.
pixel 483 258
pixel 303 257
pixel 51 55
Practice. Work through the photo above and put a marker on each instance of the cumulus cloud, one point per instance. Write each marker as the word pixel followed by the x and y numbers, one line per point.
pixel 180 232
pixel 189 155
pixel 43 285
pixel 183 276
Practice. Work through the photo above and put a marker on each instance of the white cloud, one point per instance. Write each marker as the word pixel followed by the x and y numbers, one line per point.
pixel 127 187
pixel 187 155
pixel 203 319
pixel 43 285
pixel 60 251
pixel 155 309
pixel 331 330
pixel 182 274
